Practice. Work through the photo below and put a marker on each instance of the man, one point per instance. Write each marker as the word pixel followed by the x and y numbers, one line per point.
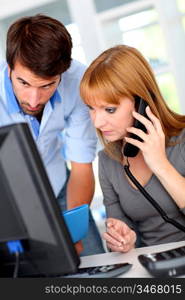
pixel 40 85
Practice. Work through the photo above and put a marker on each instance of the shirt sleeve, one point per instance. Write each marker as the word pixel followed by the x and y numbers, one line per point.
pixel 182 146
pixel 110 197
pixel 183 210
pixel 5 118
pixel 80 135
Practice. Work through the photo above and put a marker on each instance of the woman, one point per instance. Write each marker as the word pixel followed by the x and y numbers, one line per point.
pixel 111 88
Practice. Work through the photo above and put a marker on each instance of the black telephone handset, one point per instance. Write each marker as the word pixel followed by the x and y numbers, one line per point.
pixel 129 149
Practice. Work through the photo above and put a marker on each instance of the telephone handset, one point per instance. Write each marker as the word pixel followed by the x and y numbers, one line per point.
pixel 129 149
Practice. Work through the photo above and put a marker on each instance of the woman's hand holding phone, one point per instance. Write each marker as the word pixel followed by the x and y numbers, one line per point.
pixel 119 236
pixel 153 145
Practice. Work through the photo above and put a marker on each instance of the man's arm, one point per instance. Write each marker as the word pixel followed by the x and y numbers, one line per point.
pixel 81 185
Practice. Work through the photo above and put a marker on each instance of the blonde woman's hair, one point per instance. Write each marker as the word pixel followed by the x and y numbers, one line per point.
pixel 120 72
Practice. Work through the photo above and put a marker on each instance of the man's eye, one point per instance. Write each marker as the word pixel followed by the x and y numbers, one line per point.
pixel 46 87
pixel 110 110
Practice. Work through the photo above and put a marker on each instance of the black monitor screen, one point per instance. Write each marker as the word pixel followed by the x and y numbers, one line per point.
pixel 29 211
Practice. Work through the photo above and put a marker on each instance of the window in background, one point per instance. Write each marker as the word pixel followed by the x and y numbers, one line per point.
pixel 167 87
pixel 181 6
pixel 141 29
pixel 102 5
pixel 183 22
pixel 77 51
pixel 58 10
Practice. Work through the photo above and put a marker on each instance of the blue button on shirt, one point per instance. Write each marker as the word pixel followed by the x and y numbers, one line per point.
pixel 65 131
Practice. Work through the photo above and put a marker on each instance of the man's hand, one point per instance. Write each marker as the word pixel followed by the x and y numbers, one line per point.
pixel 119 236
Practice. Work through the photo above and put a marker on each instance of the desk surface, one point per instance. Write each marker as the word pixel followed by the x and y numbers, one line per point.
pixel 137 270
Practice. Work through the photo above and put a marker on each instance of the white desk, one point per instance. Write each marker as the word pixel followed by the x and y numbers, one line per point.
pixel 137 270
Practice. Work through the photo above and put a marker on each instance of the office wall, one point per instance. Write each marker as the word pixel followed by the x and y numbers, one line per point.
pixel 95 25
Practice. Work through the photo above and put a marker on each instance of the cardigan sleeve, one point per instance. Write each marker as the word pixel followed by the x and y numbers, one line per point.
pixel 110 196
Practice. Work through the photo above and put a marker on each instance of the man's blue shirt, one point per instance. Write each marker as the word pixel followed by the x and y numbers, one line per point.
pixel 65 132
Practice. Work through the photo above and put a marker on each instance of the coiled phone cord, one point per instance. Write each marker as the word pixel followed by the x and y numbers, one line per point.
pixel 151 200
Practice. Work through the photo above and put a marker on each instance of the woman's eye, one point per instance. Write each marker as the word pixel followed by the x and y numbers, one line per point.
pixel 89 107
pixel 110 110
pixel 24 83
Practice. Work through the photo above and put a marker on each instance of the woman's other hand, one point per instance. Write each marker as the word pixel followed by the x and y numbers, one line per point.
pixel 119 236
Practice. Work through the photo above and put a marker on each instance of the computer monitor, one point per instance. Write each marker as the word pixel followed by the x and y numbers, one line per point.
pixel 29 211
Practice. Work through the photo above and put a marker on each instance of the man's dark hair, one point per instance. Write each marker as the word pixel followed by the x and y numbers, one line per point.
pixel 40 43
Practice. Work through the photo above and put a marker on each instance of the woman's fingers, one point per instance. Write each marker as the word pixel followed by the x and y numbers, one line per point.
pixel 135 143
pixel 152 125
pixel 111 222
pixel 155 121
pixel 115 234
pixel 114 248
pixel 138 132
pixel 110 239
pixel 118 242
pixel 119 236
pixel 147 123
pixel 121 248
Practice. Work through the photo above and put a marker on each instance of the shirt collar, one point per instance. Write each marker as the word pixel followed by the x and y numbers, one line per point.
pixel 55 98
pixel 12 104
